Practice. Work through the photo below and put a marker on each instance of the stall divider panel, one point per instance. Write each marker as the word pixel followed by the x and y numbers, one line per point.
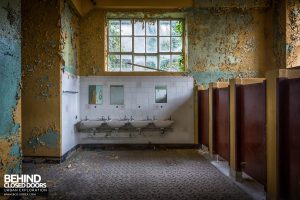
pixel 251 132
pixel 221 122
pixel 289 137
pixel 203 117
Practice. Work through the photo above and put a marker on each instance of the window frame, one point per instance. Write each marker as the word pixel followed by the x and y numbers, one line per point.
pixel 145 36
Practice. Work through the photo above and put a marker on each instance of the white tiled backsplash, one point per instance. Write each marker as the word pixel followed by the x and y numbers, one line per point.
pixel 139 102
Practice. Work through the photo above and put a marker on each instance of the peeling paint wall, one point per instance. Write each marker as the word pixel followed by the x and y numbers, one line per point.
pixel 92 41
pixel 10 84
pixel 276 35
pixel 41 68
pixel 232 3
pixel 225 43
pixel 69 38
pixel 226 39
pixel 69 78
pixel 293 33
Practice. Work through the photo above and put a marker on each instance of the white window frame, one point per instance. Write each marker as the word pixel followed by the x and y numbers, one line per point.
pixel 158 36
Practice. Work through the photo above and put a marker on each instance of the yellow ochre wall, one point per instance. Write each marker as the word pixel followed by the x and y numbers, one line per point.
pixel 41 77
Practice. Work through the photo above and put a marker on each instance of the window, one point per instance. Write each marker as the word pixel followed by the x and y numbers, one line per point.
pixel 145 45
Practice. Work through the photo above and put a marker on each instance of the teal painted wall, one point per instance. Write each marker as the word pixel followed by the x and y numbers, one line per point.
pixel 69 37
pixel 10 83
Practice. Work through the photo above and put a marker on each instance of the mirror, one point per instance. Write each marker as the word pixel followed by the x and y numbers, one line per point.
pixel 96 94
pixel 160 94
pixel 116 95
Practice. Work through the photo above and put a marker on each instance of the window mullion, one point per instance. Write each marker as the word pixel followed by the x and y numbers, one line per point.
pixel 132 40
pixel 158 50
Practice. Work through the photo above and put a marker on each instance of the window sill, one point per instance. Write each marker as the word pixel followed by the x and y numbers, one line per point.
pixel 143 73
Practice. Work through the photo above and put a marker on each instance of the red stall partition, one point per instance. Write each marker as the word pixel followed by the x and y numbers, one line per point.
pixel 203 116
pixel 289 138
pixel 221 122
pixel 251 130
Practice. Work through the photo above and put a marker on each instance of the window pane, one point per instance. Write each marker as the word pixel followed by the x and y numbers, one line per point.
pixel 140 60
pixel 164 44
pixel 164 62
pixel 114 27
pixel 126 44
pixel 176 28
pixel 151 27
pixel 151 61
pixel 177 63
pixel 164 28
pixel 151 44
pixel 126 27
pixel 139 44
pixel 125 59
pixel 114 44
pixel 139 27
pixel 114 63
pixel 176 44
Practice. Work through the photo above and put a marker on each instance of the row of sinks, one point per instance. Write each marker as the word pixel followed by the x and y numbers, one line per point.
pixel 120 123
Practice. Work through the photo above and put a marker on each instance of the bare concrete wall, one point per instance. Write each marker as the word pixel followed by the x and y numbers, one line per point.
pixel 10 84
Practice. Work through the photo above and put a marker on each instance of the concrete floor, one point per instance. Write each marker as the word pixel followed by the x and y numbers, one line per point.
pixel 136 174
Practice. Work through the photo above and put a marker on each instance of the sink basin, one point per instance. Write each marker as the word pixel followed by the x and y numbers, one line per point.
pixel 139 123
pixel 163 123
pixel 116 123
pixel 90 124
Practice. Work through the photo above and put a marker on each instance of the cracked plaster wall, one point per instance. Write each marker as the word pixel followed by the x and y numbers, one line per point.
pixel 10 84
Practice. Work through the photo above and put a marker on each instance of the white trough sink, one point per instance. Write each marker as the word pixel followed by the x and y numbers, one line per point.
pixel 140 123
pixel 90 124
pixel 163 123
pixel 116 123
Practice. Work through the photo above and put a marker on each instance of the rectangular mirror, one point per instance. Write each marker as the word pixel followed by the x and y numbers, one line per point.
pixel 96 94
pixel 160 94
pixel 116 95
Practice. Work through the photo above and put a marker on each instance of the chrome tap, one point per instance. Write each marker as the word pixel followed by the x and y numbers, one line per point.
pixel 154 117
pixel 103 118
pixel 131 118
pixel 108 118
pixel 125 118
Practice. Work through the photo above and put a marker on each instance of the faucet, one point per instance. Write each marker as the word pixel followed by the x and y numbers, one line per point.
pixel 148 118
pixel 125 118
pixel 131 118
pixel 108 118
pixel 86 118
pixel 154 117
pixel 103 118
